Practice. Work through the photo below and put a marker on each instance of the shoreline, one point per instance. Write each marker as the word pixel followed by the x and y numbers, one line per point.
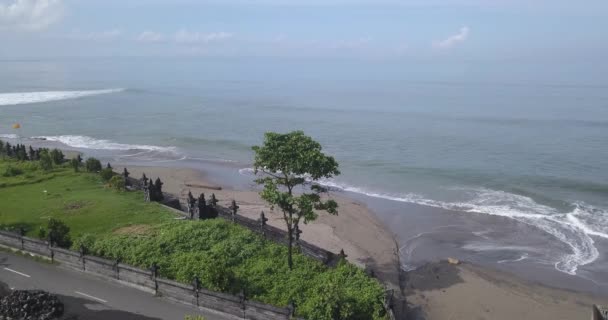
pixel 476 280
pixel 356 229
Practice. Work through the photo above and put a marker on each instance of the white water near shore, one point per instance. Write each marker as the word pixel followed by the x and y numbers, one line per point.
pixel 575 229
pixel 15 98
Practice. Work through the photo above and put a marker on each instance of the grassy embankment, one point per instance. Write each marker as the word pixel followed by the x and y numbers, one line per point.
pixel 226 257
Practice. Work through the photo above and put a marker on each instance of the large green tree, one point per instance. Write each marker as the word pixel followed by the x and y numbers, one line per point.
pixel 290 165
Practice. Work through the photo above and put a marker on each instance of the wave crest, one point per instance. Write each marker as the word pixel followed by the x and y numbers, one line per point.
pixel 574 229
pixel 15 98
pixel 85 142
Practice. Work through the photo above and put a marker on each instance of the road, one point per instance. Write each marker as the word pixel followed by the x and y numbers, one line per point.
pixel 90 297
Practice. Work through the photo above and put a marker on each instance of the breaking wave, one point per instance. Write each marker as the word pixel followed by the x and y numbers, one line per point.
pixel 575 228
pixel 15 98
pixel 85 142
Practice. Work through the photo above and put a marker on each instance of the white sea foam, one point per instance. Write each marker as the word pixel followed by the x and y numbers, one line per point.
pixel 523 257
pixel 85 142
pixel 14 98
pixel 575 229
pixel 9 136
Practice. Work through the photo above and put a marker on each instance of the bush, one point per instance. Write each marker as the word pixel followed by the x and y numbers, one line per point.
pixel 93 165
pixel 46 163
pixel 57 156
pixel 59 233
pixel 75 164
pixel 117 183
pixel 106 174
pixel 231 259
pixel 12 171
pixel 85 240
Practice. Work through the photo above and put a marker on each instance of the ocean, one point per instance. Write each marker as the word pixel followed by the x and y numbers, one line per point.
pixel 498 165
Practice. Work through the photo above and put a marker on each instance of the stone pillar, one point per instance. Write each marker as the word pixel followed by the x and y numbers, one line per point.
pixel 234 207
pixel 262 222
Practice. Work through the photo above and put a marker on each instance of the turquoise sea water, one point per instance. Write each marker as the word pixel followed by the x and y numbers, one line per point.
pixel 490 140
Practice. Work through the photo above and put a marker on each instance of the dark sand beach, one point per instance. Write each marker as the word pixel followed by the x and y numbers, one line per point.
pixel 434 290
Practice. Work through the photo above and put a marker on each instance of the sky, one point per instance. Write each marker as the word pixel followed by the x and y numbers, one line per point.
pixel 563 31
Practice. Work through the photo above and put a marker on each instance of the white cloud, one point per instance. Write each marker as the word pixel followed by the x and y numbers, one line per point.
pixel 185 36
pixel 151 36
pixel 30 15
pixel 453 40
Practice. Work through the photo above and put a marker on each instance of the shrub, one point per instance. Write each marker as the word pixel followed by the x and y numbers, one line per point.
pixel 229 258
pixel 75 164
pixel 59 233
pixel 12 171
pixel 46 163
pixel 86 240
pixel 57 156
pixel 117 183
pixel 106 174
pixel 93 165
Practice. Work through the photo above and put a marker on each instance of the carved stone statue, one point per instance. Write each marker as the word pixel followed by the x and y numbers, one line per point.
pixel 191 204
pixel 234 207
pixel 202 207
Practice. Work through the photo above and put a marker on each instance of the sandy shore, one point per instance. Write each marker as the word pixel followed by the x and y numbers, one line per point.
pixel 444 291
pixel 436 291
pixel 355 229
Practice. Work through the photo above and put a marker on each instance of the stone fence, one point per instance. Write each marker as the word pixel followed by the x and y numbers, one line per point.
pixel 267 231
pixel 147 280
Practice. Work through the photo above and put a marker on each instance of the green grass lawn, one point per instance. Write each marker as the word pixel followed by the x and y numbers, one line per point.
pixel 226 257
pixel 79 199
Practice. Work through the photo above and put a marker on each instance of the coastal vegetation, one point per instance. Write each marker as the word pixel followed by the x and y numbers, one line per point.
pixel 289 161
pixel 78 207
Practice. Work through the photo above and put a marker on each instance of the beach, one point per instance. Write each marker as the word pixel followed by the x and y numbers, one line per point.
pixel 434 291
pixel 441 290
pixel 356 230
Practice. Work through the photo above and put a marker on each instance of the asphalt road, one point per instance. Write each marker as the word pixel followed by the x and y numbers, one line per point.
pixel 90 297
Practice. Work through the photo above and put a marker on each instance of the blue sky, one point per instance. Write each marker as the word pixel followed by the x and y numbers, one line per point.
pixel 492 30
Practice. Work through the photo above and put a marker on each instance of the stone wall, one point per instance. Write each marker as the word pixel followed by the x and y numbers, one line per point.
pixel 145 280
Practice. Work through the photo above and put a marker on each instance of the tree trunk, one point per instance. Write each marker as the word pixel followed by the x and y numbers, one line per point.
pixel 289 247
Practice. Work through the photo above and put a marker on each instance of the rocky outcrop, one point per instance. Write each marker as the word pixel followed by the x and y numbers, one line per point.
pixel 30 305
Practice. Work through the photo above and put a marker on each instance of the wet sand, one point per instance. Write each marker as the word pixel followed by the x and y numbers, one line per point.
pixel 466 291
pixel 356 230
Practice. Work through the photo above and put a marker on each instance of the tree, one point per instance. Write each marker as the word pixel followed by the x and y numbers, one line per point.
pixel 117 183
pixel 32 154
pixel 57 156
pixel 46 163
pixel 106 174
pixel 93 165
pixel 75 164
pixel 59 233
pixel 292 160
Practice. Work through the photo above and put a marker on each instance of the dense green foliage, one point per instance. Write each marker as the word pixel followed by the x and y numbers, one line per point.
pixel 106 174
pixel 57 156
pixel 117 183
pixel 229 258
pixel 225 256
pixel 75 164
pixel 46 162
pixel 285 160
pixel 93 165
pixel 59 233
pixel 11 171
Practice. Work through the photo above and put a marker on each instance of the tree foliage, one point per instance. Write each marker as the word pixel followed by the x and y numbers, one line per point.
pixel 93 165
pixel 46 162
pixel 229 258
pixel 289 161
pixel 59 233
